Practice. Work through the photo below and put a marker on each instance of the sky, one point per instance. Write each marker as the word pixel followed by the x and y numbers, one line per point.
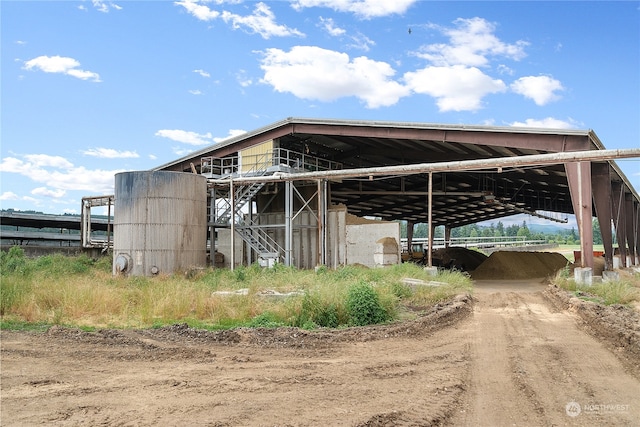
pixel 93 88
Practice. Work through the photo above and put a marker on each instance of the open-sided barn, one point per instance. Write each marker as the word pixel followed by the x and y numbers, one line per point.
pixel 279 187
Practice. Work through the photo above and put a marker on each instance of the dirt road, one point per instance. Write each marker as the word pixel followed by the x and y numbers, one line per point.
pixel 532 365
pixel 508 358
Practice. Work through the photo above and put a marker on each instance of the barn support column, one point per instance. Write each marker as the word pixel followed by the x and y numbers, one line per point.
pixel 579 178
pixel 601 183
pixel 447 236
pixel 637 228
pixel 288 229
pixel 322 220
pixel 410 226
pixel 431 226
pixel 619 221
pixel 629 226
pixel 212 228
pixel 232 201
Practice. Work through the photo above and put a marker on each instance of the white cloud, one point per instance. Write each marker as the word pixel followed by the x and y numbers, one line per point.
pixel 471 43
pixel 200 11
pixel 330 27
pixel 503 69
pixel 243 80
pixel 232 133
pixel 105 7
pixel 58 173
pixel 361 42
pixel 456 88
pixel 110 153
pixel 62 65
pixel 314 73
pixel 202 73
pixel 45 160
pixel 548 122
pixel 9 195
pixel 365 9
pixel 195 92
pixel 47 192
pixel 182 151
pixel 186 137
pixel 262 22
pixel 541 89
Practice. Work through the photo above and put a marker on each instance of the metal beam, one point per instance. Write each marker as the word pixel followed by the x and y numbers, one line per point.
pixel 602 197
pixel 464 165
pixel 579 177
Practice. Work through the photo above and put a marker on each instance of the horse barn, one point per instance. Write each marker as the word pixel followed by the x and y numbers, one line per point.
pixel 310 192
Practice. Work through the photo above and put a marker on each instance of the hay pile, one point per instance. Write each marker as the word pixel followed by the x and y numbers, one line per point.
pixel 459 258
pixel 510 265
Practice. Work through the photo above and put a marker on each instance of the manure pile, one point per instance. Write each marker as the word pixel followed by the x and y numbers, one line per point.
pixel 460 258
pixel 510 265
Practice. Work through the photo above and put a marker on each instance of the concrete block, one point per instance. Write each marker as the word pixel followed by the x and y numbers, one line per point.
pixel 432 271
pixel 608 276
pixel 617 262
pixel 583 276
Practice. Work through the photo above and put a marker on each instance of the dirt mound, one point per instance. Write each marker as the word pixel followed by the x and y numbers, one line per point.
pixel 510 265
pixel 461 258
pixel 436 317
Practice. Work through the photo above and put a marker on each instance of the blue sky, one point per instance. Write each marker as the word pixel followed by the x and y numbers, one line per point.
pixel 92 88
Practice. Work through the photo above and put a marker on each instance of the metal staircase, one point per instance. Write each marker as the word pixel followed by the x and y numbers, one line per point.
pixel 268 250
pixel 225 212
pixel 242 195
pixel 253 234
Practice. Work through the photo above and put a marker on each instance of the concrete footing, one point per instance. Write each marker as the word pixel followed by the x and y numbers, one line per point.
pixel 583 276
pixel 432 271
pixel 609 276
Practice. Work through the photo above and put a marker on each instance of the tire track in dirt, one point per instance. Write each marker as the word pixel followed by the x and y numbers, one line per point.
pixel 529 361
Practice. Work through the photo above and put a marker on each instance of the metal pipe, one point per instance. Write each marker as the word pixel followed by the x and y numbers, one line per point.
pixel 233 223
pixel 461 165
pixel 320 193
pixel 288 234
pixel 325 217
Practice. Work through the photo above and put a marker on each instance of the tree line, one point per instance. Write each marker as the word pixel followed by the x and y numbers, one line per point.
pixel 561 236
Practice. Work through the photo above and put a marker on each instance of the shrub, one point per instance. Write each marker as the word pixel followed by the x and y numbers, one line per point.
pixel 265 320
pixel 363 305
pixel 13 261
pixel 317 312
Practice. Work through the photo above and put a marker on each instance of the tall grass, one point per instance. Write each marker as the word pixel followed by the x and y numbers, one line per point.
pixel 624 291
pixel 81 291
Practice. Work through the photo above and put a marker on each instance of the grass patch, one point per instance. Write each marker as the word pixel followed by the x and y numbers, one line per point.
pixel 82 292
pixel 624 291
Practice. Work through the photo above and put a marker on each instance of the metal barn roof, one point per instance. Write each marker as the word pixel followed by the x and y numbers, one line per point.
pixel 459 197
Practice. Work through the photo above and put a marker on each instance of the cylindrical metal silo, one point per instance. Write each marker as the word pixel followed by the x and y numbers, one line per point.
pixel 160 222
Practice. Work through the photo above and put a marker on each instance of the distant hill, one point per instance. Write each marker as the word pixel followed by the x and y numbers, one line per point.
pixel 548 228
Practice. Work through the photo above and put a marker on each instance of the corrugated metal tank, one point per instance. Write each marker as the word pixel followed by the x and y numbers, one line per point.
pixel 160 222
